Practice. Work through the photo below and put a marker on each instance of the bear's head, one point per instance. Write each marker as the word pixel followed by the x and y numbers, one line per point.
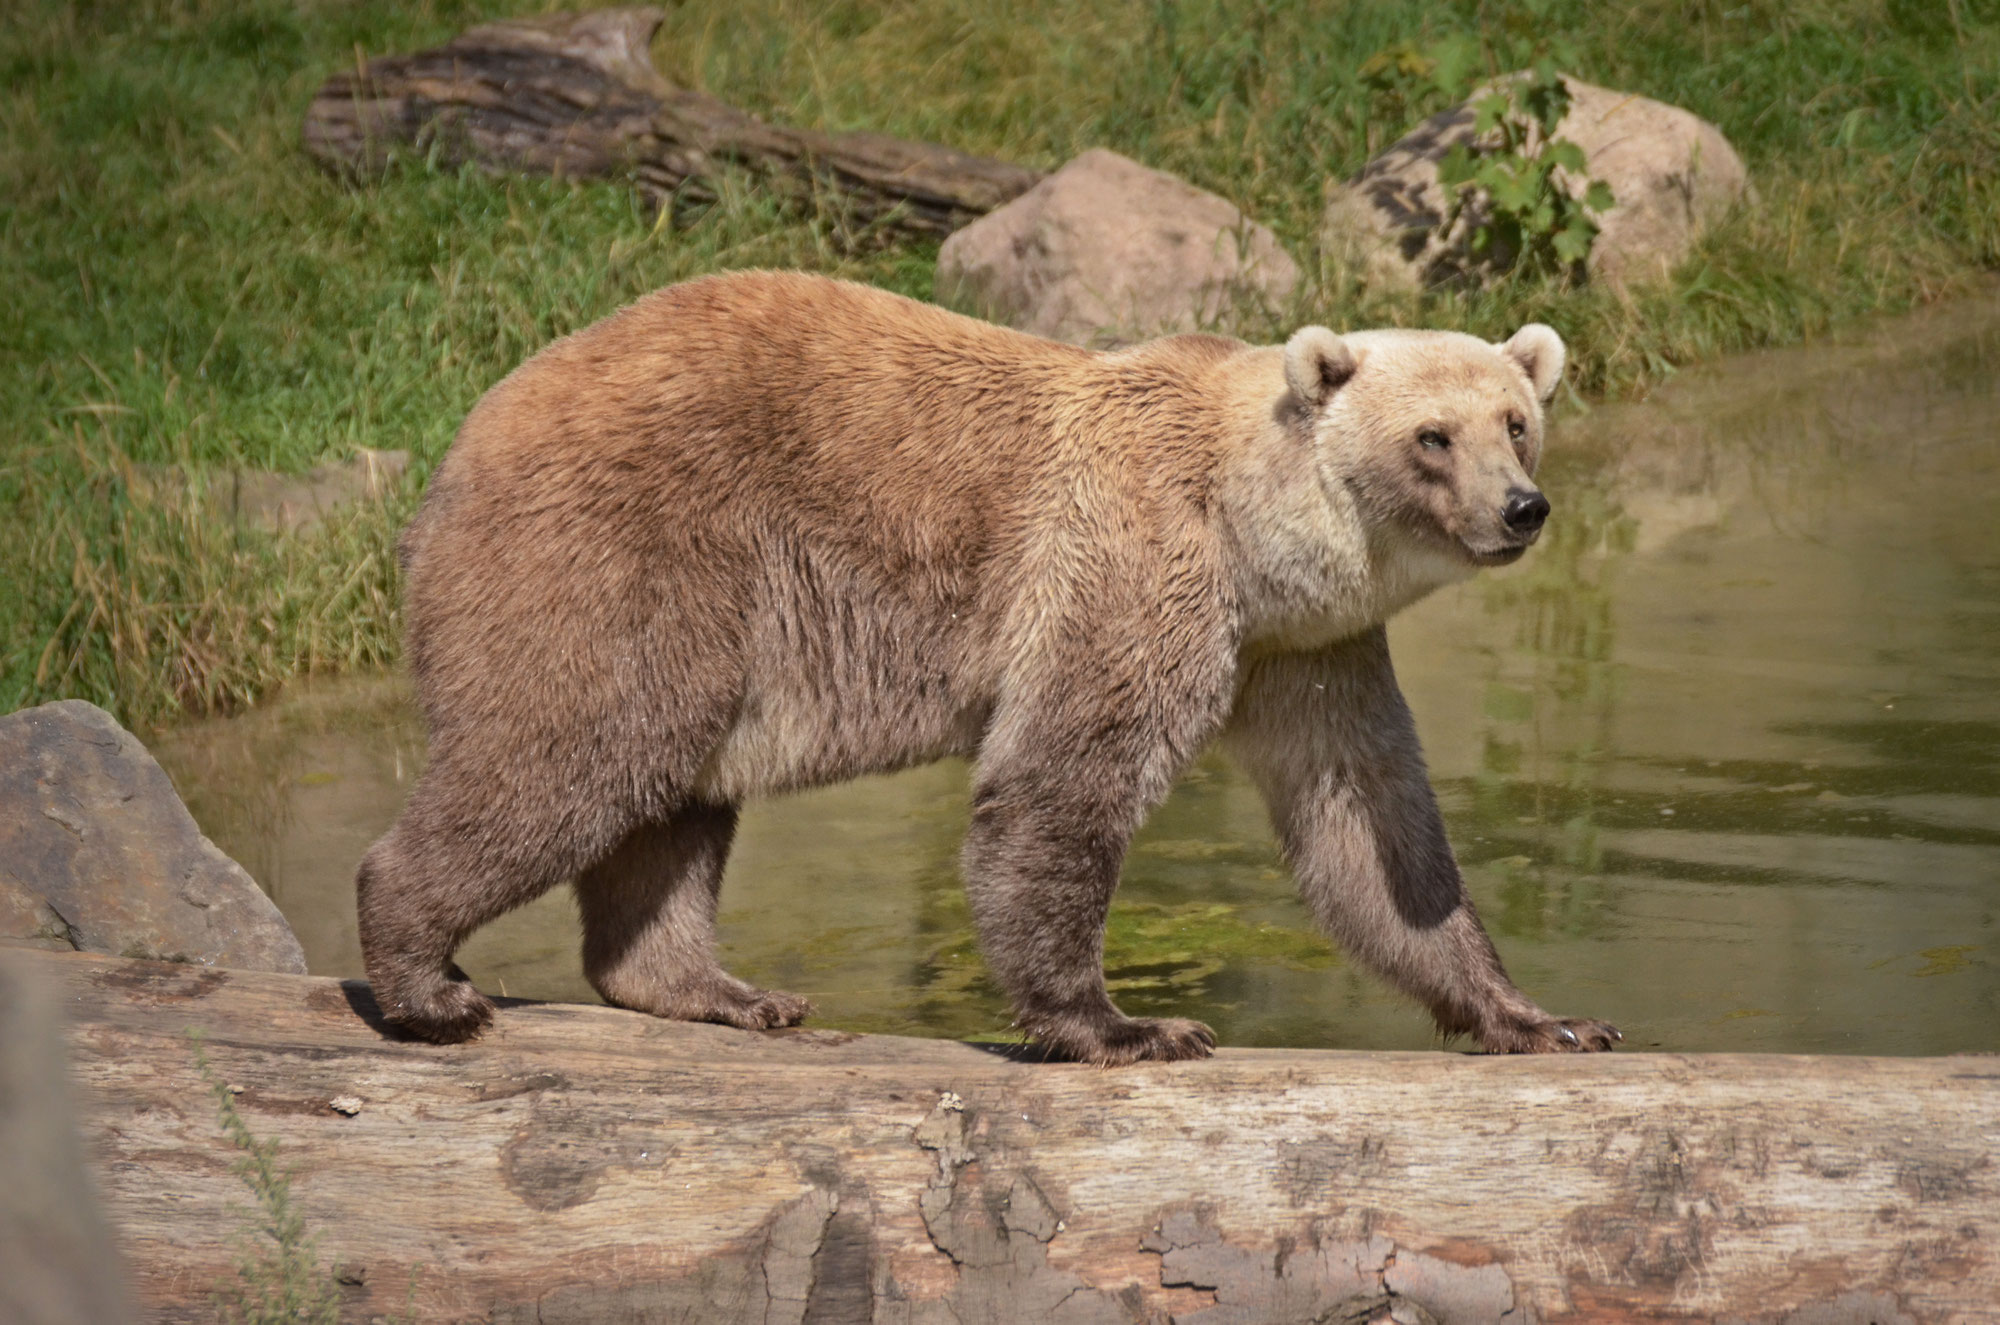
pixel 1432 435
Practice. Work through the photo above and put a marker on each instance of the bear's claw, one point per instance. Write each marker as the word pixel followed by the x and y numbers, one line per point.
pixel 1561 1035
pixel 763 1009
pixel 1130 1040
pixel 724 1000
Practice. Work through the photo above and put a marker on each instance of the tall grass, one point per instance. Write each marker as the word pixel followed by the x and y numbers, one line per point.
pixel 186 289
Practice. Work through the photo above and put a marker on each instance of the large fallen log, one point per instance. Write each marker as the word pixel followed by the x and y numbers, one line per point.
pixel 578 95
pixel 582 1163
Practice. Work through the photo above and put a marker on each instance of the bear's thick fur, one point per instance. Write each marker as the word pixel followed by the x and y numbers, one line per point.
pixel 765 531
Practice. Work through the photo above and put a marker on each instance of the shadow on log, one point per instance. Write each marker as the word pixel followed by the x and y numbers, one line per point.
pixel 578 96
pixel 584 1164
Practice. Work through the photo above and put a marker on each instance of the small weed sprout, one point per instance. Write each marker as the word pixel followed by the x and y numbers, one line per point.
pixel 279 1277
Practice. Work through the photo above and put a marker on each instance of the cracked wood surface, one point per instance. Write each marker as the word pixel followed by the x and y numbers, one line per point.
pixel 578 95
pixel 586 1164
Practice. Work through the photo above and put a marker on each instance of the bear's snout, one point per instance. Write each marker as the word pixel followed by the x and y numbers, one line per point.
pixel 1524 512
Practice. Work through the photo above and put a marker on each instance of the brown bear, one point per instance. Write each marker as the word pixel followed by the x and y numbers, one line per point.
pixel 764 531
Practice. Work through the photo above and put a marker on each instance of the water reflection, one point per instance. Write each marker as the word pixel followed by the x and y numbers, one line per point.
pixel 1722 759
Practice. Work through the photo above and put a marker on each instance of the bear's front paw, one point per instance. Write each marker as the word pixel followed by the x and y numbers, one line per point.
pixel 1558 1035
pixel 723 1000
pixel 1131 1040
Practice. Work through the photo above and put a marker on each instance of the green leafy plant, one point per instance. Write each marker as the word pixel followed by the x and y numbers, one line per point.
pixel 1511 180
pixel 1510 184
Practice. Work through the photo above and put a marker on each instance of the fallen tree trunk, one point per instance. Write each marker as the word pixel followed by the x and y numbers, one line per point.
pixel 577 95
pixel 582 1163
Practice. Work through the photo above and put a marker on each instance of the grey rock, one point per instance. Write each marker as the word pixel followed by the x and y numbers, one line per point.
pixel 1672 174
pixel 1107 251
pixel 98 854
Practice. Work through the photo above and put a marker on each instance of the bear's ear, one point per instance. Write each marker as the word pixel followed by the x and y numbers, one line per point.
pixel 1540 353
pixel 1317 364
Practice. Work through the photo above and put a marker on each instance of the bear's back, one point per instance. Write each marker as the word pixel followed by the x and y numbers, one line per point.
pixel 783 466
pixel 854 417
pixel 851 410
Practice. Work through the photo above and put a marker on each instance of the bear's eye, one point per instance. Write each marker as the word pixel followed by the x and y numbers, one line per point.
pixel 1516 428
pixel 1433 439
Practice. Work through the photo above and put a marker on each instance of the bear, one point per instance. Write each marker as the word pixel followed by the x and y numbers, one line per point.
pixel 763 531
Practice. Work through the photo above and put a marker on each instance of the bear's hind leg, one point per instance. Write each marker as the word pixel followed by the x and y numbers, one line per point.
pixel 420 892
pixel 649 926
pixel 408 948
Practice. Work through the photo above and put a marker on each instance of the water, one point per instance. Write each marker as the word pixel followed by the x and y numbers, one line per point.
pixel 1721 759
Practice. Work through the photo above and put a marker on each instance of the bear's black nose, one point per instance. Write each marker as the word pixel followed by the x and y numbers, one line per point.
pixel 1525 511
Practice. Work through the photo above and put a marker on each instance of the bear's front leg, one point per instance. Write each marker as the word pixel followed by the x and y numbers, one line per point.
pixel 1041 863
pixel 1069 767
pixel 1332 745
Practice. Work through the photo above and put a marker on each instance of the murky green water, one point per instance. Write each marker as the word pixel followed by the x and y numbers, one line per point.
pixel 1721 758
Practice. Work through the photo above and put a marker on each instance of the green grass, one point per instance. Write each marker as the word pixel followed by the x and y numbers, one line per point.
pixel 185 288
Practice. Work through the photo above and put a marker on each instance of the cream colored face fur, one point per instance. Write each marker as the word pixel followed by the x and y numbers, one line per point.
pixel 1388 469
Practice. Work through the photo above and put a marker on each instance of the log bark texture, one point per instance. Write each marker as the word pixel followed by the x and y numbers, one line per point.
pixel 587 1164
pixel 578 95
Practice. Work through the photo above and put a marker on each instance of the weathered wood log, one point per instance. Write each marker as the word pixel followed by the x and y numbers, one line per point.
pixel 578 95
pixel 582 1163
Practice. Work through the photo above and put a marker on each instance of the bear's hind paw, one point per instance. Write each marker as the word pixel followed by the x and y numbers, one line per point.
pixel 454 1013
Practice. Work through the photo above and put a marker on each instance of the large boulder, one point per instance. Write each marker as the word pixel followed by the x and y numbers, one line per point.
pixel 1671 174
pixel 1107 251
pixel 98 854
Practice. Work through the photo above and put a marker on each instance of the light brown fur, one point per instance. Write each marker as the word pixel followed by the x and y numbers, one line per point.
pixel 766 531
